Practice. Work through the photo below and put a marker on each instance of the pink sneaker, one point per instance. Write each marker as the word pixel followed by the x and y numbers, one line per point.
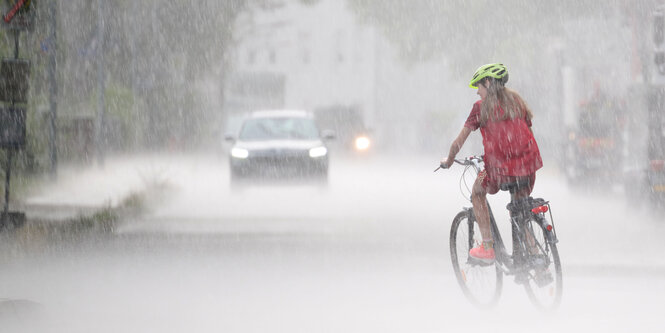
pixel 483 253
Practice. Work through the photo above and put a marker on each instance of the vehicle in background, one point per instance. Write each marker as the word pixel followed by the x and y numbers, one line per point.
pixel 277 145
pixel 594 147
pixel 348 123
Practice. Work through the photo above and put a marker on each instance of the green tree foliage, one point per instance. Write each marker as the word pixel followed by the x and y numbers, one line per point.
pixel 466 31
pixel 153 52
pixel 160 50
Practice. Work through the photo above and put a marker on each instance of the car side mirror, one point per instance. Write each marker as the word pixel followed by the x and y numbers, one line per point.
pixel 229 138
pixel 328 135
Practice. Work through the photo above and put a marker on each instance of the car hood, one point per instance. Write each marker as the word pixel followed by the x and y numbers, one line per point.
pixel 279 144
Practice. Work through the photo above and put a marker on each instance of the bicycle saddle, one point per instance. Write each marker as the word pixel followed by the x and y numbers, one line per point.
pixel 513 187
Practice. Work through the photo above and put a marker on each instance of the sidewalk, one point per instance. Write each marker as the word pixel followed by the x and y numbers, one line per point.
pixel 82 191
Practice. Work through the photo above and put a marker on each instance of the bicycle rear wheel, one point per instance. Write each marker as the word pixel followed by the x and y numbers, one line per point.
pixel 543 274
pixel 480 282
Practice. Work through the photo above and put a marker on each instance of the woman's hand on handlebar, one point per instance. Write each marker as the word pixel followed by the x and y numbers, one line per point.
pixel 445 163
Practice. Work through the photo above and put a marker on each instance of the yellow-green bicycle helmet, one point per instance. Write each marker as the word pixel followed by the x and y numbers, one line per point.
pixel 497 71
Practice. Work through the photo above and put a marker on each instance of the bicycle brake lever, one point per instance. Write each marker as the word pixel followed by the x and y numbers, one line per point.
pixel 441 166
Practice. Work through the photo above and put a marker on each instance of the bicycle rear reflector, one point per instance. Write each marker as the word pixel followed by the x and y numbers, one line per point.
pixel 539 209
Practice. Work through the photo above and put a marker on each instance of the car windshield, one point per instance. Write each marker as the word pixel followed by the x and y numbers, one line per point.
pixel 278 129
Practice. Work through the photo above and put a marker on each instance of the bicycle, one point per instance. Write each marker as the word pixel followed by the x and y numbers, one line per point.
pixel 534 261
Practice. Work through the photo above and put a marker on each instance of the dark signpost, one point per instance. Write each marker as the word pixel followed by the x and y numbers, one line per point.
pixel 14 80
pixel 12 128
pixel 14 83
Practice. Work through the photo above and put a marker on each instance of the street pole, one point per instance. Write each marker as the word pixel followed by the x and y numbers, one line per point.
pixel 53 91
pixel 135 90
pixel 101 86
pixel 10 151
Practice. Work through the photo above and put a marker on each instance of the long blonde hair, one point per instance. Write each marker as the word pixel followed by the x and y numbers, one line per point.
pixel 510 101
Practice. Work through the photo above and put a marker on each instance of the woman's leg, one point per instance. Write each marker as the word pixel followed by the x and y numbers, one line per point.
pixel 479 201
pixel 485 252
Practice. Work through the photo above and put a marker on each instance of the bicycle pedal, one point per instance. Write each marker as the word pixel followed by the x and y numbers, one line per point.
pixel 543 279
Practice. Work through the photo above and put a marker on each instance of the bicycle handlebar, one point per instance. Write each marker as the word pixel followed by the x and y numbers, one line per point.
pixel 471 160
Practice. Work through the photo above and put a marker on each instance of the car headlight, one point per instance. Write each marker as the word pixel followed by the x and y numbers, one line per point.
pixel 239 153
pixel 318 152
pixel 362 143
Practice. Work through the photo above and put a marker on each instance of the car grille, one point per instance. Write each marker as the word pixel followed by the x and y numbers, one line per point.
pixel 285 164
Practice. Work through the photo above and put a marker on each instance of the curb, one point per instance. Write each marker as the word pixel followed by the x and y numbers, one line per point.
pixel 62 222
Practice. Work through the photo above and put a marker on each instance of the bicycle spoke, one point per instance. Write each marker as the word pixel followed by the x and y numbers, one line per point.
pixel 538 243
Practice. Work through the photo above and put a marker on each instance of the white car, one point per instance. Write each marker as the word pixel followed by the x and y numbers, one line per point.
pixel 279 145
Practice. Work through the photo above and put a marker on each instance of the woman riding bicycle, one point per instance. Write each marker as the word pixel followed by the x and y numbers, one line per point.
pixel 511 153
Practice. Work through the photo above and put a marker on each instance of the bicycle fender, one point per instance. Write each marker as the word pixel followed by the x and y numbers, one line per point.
pixel 550 235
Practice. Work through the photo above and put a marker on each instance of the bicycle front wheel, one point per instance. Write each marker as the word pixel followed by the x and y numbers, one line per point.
pixel 543 282
pixel 480 282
